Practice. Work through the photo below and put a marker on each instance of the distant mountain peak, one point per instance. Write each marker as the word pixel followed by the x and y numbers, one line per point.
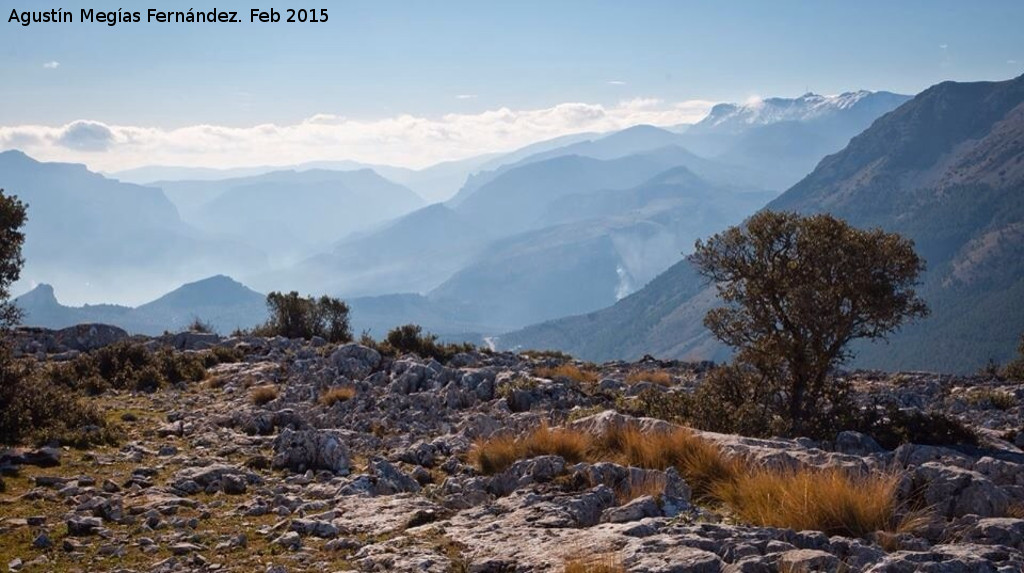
pixel 809 106
pixel 40 296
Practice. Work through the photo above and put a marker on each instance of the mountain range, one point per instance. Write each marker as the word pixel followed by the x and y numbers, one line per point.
pixel 560 227
pixel 945 169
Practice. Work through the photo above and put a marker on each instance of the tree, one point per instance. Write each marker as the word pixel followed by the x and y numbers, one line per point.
pixel 800 289
pixel 12 218
pixel 292 316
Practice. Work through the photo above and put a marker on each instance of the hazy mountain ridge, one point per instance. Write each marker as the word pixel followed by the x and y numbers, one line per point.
pixel 943 169
pixel 100 238
pixel 219 301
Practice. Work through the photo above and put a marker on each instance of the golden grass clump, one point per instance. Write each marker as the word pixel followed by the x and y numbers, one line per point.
pixel 831 500
pixel 570 371
pixel 495 454
pixel 261 395
pixel 659 377
pixel 603 563
pixel 699 461
pixel 337 394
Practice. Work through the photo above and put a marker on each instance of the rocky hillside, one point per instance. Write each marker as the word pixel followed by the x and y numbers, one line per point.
pixel 304 456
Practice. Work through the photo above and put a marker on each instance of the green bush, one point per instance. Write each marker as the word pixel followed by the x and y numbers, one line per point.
pixel 675 407
pixel 292 316
pixel 129 365
pixel 410 339
pixel 34 409
pixel 891 426
pixel 201 326
pixel 221 355
pixel 1015 369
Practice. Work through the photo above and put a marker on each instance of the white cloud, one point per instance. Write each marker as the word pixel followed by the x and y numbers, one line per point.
pixel 616 83
pixel 406 140
pixel 943 46
pixel 52 65
pixel 466 96
pixel 1011 62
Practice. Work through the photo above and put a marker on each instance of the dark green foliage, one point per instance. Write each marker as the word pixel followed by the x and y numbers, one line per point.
pixel 221 355
pixel 736 399
pixel 891 426
pixel 199 325
pixel 12 217
pixel 1015 369
pixel 672 407
pixel 546 354
pixel 35 409
pixel 129 365
pixel 798 291
pixel 292 316
pixel 410 339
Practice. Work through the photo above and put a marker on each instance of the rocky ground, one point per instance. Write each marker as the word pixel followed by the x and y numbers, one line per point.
pixel 206 479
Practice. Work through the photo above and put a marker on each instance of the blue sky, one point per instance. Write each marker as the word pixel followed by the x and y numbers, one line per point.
pixel 377 61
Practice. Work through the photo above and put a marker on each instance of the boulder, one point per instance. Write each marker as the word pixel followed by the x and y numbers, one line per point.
pixel 954 491
pixel 391 480
pixel 857 444
pixel 311 450
pixel 355 361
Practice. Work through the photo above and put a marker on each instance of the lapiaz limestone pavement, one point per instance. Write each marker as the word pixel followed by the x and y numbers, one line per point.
pixel 393 474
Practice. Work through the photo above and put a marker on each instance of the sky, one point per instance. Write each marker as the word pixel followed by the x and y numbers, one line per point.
pixel 415 82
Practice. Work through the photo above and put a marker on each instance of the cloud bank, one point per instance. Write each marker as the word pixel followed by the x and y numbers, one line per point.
pixel 403 140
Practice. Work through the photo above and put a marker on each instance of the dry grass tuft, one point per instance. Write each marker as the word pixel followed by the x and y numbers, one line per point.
pixel 261 395
pixel 570 371
pixel 651 484
pixel 831 500
pixel 659 377
pixel 604 563
pixel 337 394
pixel 1015 510
pixel 699 461
pixel 991 398
pixel 495 454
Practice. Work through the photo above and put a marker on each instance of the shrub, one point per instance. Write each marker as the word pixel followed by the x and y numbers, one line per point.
pixel 659 377
pixel 201 326
pixel 989 398
pixel 128 365
pixel 675 407
pixel 830 501
pixel 891 426
pixel 35 409
pixel 410 339
pixel 1015 369
pixel 569 371
pixel 798 290
pixel 292 316
pixel 737 399
pixel 221 355
pixel 546 354
pixel 337 394
pixel 261 395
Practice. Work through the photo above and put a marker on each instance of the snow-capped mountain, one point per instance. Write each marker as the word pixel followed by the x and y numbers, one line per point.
pixel 728 117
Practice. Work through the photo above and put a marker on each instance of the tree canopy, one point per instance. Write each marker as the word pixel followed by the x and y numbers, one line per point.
pixel 799 289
